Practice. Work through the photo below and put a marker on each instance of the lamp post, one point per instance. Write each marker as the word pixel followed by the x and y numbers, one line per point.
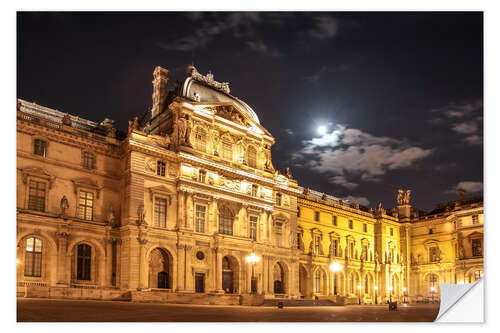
pixel 253 259
pixel 390 294
pixel 433 290
pixel 404 295
pixel 376 298
pixel 359 293
pixel 335 267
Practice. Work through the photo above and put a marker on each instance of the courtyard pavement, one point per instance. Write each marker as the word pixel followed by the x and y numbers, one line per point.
pixel 52 310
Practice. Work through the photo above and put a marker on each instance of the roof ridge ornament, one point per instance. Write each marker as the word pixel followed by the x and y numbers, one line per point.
pixel 208 79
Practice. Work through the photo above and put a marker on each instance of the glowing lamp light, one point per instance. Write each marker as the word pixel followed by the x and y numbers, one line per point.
pixel 17 261
pixel 359 287
pixel 252 258
pixel 390 289
pixel 404 289
pixel 433 289
pixel 322 130
pixel 375 287
pixel 335 267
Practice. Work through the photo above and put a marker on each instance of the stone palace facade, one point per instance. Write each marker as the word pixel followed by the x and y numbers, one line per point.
pixel 171 210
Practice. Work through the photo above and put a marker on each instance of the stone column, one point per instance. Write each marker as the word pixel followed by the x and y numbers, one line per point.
pixel 180 209
pixel 219 270
pixel 118 263
pixel 188 273
pixel 62 268
pixel 142 262
pixel 188 214
pixel 269 228
pixel 109 262
pixel 181 260
pixel 215 214
pixel 270 275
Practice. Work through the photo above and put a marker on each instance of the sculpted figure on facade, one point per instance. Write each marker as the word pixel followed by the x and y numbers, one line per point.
pixel 403 197
pixel 182 130
pixel 111 217
pixel 141 215
pixel 215 142
pixel 288 173
pixel 64 205
pixel 133 124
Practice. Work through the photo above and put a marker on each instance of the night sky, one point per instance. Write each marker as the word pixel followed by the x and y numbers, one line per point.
pixel 400 95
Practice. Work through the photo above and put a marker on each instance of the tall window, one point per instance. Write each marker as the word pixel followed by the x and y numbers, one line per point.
pixel 350 224
pixel 317 281
pixel 317 244
pixel 334 220
pixel 160 168
pixel 365 251
pixel 202 174
pixel 40 147
pixel 83 262
pixel 227 149
pixel 33 257
pixel 278 199
pixel 392 232
pixel 252 157
pixel 351 283
pixel 36 197
pixel 200 218
pixel 433 254
pixel 365 227
pixel 161 212
pixel 255 190
pixel 88 160
pixel 316 216
pixel 298 211
pixel 475 219
pixel 278 231
pixel 200 139
pixel 253 227
pixel 85 205
pixel 225 221
pixel 477 248
pixel 335 245
pixel 351 245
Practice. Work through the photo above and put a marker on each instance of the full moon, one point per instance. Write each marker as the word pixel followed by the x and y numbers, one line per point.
pixel 321 130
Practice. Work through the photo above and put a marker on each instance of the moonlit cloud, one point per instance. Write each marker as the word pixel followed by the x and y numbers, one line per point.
pixel 469 186
pixel 465 128
pixel 357 154
pixel 359 200
pixel 263 49
pixel 325 28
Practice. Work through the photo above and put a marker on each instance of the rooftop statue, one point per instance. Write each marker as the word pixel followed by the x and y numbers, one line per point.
pixel 403 197
pixel 208 79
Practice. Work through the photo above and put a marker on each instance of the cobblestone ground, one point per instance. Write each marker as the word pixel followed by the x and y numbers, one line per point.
pixel 50 310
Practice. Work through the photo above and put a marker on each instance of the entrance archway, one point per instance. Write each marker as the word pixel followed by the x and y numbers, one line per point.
pixel 159 269
pixel 278 279
pixel 230 275
pixel 303 281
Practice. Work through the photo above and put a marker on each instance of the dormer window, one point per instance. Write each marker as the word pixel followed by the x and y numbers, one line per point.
pixel 160 168
pixel 255 190
pixel 200 139
pixel 252 157
pixel 40 147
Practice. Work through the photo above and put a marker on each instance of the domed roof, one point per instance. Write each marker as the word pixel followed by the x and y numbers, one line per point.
pixel 201 88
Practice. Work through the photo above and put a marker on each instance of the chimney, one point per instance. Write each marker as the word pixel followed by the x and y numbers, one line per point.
pixel 159 90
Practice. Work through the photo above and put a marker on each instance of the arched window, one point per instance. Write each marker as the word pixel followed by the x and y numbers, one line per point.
pixel 252 157
pixel 33 257
pixel 225 221
pixel 83 261
pixel 317 281
pixel 227 149
pixel 200 139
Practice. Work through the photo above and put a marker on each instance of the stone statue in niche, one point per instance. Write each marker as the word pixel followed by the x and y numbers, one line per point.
pixel 141 215
pixel 403 197
pixel 215 142
pixel 182 130
pixel 64 205
pixel 111 220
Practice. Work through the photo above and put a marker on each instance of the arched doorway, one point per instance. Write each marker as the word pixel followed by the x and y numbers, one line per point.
pixel 395 286
pixel 303 281
pixel 353 284
pixel 227 276
pixel 159 269
pixel 278 279
pixel 320 282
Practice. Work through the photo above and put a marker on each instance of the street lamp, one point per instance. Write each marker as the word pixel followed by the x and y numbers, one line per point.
pixel 404 295
pixel 390 294
pixel 253 259
pixel 433 290
pixel 335 267
pixel 359 293
pixel 376 298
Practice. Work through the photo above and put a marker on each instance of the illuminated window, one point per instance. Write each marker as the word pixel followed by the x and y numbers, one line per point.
pixel 83 262
pixel 253 227
pixel 475 219
pixel 36 197
pixel 316 216
pixel 227 149
pixel 225 221
pixel 278 199
pixel 86 205
pixel 351 224
pixel 33 257
pixel 334 220
pixel 433 254
pixel 200 139
pixel 335 246
pixel 160 168
pixel 317 244
pixel 40 147
pixel 477 247
pixel 202 176
pixel 365 251
pixel 351 254
pixel 88 160
pixel 160 212
pixel 200 218
pixel 367 285
pixel 252 157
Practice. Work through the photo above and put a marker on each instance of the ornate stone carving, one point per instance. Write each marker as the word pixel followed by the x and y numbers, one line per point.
pixel 182 130
pixel 111 219
pixel 403 197
pixel 288 173
pixel 160 140
pixel 64 205
pixel 133 124
pixel 66 120
pixel 215 142
pixel 208 79
pixel 141 215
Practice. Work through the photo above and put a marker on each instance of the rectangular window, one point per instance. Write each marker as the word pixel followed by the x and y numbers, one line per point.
pixel 335 245
pixel 160 168
pixel 433 254
pixel 316 216
pixel 36 197
pixel 160 212
pixel 278 233
pixel 40 147
pixel 255 190
pixel 475 219
pixel 392 232
pixel 278 199
pixel 253 227
pixel 365 227
pixel 200 218
pixel 86 205
pixel 351 224
pixel 477 248
pixel 334 220
pixel 88 160
pixel 201 176
pixel 227 150
pixel 317 244
pixel 351 245
pixel 365 252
